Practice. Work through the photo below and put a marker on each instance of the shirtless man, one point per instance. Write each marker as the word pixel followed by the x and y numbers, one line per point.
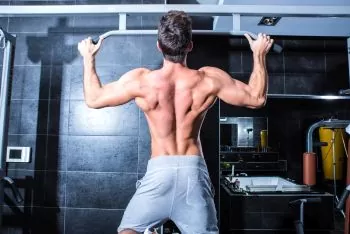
pixel 175 100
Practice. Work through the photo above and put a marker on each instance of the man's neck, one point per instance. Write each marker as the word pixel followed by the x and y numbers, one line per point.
pixel 169 64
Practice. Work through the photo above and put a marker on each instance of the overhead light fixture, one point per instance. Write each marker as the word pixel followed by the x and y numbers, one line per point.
pixel 269 21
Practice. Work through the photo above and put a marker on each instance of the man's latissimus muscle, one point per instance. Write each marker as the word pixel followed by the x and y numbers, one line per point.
pixel 175 106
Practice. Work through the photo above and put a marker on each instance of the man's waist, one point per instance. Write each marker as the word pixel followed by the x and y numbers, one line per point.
pixel 176 161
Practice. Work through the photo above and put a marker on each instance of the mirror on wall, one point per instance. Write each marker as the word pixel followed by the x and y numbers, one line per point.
pixel 245 133
pixel 245 149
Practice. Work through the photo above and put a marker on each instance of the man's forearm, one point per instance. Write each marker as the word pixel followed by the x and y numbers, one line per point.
pixel 92 84
pixel 258 78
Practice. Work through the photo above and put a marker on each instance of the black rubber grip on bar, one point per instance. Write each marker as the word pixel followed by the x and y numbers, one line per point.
pixel 16 193
pixel 313 200
pixel 275 47
pixel 95 40
pixel 342 199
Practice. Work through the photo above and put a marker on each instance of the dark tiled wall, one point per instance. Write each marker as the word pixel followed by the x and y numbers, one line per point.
pixel 85 162
pixel 308 66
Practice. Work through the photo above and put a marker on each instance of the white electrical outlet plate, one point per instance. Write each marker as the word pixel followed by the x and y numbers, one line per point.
pixel 17 154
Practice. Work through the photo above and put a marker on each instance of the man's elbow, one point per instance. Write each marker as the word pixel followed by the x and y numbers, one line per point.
pixel 92 104
pixel 260 103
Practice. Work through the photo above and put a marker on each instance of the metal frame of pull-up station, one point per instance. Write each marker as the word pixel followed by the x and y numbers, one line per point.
pixel 193 9
pixel 7 42
pixel 236 11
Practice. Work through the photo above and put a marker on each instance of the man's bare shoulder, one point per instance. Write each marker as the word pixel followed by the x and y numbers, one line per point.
pixel 210 72
pixel 136 75
pixel 217 77
pixel 139 72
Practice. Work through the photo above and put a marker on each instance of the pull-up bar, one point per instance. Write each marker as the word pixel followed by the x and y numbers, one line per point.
pixel 277 48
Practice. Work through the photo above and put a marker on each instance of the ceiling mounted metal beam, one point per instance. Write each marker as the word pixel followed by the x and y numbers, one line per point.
pixel 193 9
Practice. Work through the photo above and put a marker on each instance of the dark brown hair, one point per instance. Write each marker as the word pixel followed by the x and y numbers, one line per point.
pixel 175 35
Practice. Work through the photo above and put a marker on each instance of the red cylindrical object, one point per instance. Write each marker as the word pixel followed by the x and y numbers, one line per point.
pixel 309 168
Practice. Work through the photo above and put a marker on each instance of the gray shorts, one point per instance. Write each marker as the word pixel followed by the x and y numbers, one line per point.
pixel 176 188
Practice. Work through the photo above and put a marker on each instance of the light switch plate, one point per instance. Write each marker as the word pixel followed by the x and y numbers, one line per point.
pixel 18 154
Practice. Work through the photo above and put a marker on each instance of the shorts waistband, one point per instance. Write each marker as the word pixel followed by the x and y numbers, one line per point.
pixel 177 161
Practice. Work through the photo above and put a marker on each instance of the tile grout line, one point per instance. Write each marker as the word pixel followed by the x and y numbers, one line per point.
pixel 66 144
pixel 47 129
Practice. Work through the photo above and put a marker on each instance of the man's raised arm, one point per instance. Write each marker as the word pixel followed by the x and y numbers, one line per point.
pixel 112 94
pixel 235 92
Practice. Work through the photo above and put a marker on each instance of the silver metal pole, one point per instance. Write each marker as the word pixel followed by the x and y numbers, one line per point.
pixel 236 22
pixel 4 105
pixel 335 123
pixel 4 112
pixel 122 21
pixel 194 9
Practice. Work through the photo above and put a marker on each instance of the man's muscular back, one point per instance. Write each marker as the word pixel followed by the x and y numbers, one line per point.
pixel 175 98
pixel 175 101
